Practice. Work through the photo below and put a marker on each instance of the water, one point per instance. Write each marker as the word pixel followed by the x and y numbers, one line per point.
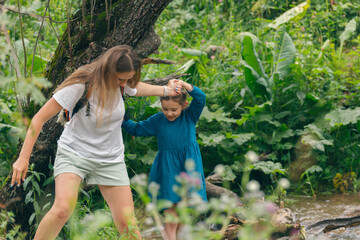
pixel 309 210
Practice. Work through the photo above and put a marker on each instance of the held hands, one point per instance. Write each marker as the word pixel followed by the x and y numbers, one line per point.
pixel 174 87
pixel 20 168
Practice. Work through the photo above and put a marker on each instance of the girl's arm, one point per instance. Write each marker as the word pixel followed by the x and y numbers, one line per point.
pixel 145 89
pixel 147 127
pixel 198 101
pixel 20 167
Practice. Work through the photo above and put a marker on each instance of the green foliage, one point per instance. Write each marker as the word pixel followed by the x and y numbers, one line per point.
pixel 91 226
pixel 338 117
pixel 274 72
pixel 348 32
pixel 7 228
pixel 296 12
pixel 191 210
pixel 291 84
pixel 35 196
pixel 255 77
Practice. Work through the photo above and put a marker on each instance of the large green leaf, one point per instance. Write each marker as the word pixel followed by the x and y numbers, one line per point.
pixel 348 32
pixel 250 56
pixel 241 138
pixel 255 76
pixel 252 112
pixel 249 34
pixel 298 11
pixel 219 116
pixel 266 117
pixel 33 86
pixel 338 117
pixel 282 132
pixel 268 167
pixel 13 133
pixel 325 46
pixel 187 65
pixel 212 140
pixel 38 64
pixel 315 142
pixel 192 52
pixel 313 135
pixel 284 54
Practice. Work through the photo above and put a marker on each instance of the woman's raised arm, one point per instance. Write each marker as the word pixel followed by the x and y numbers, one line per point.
pixel 145 89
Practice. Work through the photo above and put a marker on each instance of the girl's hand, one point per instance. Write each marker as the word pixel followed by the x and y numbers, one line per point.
pixel 20 168
pixel 183 84
pixel 173 87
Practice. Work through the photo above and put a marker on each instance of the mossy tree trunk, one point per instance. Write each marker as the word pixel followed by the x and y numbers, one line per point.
pixel 91 31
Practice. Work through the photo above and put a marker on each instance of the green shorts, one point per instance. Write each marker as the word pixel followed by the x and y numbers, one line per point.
pixel 98 173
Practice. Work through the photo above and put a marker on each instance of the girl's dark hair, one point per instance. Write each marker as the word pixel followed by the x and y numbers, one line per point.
pixel 181 98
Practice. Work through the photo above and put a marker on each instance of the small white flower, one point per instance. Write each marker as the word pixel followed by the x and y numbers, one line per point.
pixel 251 156
pixel 195 199
pixel 182 205
pixel 150 207
pixel 285 183
pixel 154 188
pixel 190 165
pixel 139 179
pixel 227 202
pixel 88 218
pixel 219 169
pixel 149 221
pixel 253 186
pixel 185 232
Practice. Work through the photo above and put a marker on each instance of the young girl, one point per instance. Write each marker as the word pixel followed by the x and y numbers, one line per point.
pixel 91 145
pixel 174 128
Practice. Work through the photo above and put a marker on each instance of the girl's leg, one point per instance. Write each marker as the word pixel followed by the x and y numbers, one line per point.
pixel 171 228
pixel 66 193
pixel 120 201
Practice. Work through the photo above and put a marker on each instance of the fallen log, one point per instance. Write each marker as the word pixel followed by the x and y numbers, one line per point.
pixel 331 224
pixel 213 190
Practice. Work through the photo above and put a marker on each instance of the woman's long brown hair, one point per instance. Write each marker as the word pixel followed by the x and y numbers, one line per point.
pixel 102 76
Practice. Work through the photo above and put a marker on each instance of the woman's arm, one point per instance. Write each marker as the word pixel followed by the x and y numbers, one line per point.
pixel 145 89
pixel 20 167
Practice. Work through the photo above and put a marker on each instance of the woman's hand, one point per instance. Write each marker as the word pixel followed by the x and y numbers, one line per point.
pixel 20 168
pixel 178 84
pixel 174 87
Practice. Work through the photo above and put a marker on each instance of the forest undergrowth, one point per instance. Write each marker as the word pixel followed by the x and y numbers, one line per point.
pixel 282 80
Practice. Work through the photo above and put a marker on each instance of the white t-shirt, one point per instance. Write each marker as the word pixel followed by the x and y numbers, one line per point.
pixel 83 137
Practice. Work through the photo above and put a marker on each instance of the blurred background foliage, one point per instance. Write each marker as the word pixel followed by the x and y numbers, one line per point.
pixel 282 79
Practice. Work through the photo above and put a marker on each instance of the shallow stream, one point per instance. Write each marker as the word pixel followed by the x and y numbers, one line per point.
pixel 309 210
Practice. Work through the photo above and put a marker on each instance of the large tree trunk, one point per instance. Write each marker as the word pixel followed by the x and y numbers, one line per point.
pixel 90 33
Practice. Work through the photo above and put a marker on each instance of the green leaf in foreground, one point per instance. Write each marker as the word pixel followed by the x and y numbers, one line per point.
pixel 340 117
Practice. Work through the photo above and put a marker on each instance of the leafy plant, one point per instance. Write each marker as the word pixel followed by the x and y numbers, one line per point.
pixel 34 194
pixel 8 229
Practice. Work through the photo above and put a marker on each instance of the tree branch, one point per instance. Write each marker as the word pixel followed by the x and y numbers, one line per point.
pixel 38 17
pixel 37 38
pixel 164 80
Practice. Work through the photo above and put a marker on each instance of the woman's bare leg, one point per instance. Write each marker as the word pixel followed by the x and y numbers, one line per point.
pixel 66 193
pixel 120 201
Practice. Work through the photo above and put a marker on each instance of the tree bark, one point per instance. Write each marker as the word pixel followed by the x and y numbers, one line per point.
pixel 90 33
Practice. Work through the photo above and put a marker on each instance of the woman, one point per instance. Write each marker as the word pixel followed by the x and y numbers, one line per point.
pixel 91 145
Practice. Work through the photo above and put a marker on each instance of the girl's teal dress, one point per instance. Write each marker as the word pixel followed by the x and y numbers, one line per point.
pixel 176 143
